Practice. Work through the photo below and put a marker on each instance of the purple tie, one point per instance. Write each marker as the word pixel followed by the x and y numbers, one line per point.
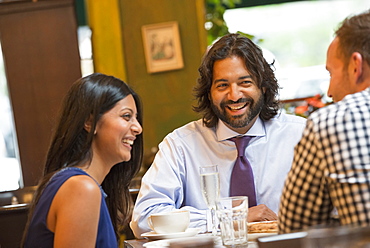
pixel 242 182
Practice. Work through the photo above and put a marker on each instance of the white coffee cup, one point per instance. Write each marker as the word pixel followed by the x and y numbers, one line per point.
pixel 170 222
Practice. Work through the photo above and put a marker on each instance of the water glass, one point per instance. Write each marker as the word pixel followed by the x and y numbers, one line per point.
pixel 210 186
pixel 232 214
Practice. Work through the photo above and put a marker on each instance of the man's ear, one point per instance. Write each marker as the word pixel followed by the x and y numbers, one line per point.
pixel 358 70
pixel 88 124
pixel 355 67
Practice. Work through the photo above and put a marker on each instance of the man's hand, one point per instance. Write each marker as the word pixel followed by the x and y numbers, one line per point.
pixel 260 213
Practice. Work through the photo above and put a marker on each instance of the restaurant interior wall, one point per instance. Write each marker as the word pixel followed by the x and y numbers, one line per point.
pixel 103 18
pixel 118 50
pixel 40 50
pixel 116 24
pixel 167 95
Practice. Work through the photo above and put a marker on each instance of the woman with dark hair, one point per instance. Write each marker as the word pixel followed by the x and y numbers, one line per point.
pixel 83 197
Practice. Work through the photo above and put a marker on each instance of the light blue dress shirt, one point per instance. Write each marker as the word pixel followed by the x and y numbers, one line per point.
pixel 173 180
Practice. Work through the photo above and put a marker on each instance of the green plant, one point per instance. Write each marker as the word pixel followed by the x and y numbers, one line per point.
pixel 215 23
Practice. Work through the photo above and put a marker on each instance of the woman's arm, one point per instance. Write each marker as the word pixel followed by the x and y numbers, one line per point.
pixel 74 213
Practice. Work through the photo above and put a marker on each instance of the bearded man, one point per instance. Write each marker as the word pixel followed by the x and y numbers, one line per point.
pixel 236 94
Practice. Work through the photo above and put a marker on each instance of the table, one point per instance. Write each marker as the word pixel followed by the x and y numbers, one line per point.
pixel 135 243
pixel 139 243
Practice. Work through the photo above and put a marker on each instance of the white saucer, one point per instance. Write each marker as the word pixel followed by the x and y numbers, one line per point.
pixel 167 242
pixel 154 236
pixel 254 236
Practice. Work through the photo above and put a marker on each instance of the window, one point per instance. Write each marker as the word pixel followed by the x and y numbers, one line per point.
pixel 298 35
pixel 84 44
pixel 10 172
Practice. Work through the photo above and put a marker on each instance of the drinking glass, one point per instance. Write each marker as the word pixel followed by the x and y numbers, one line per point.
pixel 210 185
pixel 232 213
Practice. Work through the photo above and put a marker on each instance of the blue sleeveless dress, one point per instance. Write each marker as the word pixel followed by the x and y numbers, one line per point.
pixel 41 237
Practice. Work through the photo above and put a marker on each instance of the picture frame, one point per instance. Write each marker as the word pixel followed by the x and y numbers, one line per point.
pixel 162 47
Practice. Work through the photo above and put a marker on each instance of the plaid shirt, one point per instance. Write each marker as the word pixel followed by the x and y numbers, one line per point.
pixel 331 168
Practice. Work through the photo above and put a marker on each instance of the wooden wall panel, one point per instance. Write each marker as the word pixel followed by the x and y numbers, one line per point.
pixel 104 20
pixel 40 49
pixel 167 96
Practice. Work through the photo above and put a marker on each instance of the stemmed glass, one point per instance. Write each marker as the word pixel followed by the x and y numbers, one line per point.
pixel 210 185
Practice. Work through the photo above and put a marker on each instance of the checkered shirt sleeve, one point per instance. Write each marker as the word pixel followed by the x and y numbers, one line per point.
pixel 331 168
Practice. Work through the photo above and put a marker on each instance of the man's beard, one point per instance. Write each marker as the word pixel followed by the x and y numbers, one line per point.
pixel 239 121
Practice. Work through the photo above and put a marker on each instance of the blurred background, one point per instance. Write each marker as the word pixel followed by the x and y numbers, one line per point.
pixel 46 45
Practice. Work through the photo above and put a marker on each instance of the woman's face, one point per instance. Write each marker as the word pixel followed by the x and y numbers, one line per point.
pixel 116 132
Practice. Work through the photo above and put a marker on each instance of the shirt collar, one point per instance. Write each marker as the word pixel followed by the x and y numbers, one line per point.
pixel 224 133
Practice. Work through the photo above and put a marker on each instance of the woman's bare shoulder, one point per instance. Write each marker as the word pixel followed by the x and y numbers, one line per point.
pixel 81 186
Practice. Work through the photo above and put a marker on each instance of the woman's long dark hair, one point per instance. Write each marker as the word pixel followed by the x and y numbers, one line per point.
pixel 92 96
pixel 261 72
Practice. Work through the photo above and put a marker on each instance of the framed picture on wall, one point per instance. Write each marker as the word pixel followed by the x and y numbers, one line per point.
pixel 162 47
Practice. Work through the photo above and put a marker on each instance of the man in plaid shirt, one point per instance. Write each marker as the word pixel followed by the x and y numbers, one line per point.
pixel 331 167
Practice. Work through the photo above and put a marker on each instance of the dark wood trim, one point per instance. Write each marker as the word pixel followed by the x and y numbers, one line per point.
pixel 9 7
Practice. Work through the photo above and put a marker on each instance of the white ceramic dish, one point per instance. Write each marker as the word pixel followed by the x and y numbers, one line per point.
pixel 167 242
pixel 267 221
pixel 157 244
pixel 164 243
pixel 255 236
pixel 155 236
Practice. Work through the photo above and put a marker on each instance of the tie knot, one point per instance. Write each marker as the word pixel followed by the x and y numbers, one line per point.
pixel 241 143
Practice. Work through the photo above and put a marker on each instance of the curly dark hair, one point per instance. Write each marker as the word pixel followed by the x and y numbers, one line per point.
pixel 354 36
pixel 261 72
